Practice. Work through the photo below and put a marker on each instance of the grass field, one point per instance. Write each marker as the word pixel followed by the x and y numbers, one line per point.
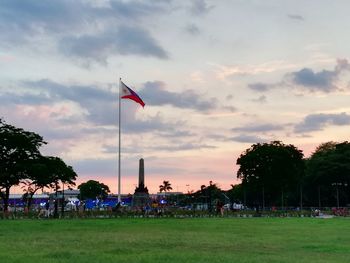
pixel 176 240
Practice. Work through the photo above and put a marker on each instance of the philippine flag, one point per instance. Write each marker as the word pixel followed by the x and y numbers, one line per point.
pixel 127 93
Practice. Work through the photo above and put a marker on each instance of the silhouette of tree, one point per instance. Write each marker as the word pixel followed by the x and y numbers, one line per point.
pixel 270 169
pixel 17 147
pixel 46 171
pixel 328 169
pixel 93 189
pixel 165 187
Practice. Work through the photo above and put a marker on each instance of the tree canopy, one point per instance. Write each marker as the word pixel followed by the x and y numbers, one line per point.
pixel 271 167
pixel 327 168
pixel 165 187
pixel 93 189
pixel 17 148
pixel 22 163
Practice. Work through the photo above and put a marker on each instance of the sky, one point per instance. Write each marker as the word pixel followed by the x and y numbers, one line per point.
pixel 216 77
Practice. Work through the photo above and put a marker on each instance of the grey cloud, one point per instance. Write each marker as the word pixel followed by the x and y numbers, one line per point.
pixel 246 139
pixel 156 94
pixel 32 16
pixel 176 134
pixel 95 166
pixel 125 40
pixel 200 7
pixel 183 147
pixel 88 97
pixel 67 22
pixel 260 87
pixel 259 128
pixel 316 122
pixel 229 97
pixel 296 17
pixel 322 80
pixel 319 81
pixel 100 104
pixel 308 79
pixel 192 29
pixel 152 124
pixel 261 99
pixel 230 108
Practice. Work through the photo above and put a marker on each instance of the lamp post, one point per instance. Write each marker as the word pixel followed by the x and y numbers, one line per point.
pixel 56 201
pixel 62 205
pixel 337 190
pixel 319 197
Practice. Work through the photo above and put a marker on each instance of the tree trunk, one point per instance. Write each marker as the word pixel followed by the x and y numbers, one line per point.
pixel 30 200
pixel 301 198
pixel 6 199
pixel 263 198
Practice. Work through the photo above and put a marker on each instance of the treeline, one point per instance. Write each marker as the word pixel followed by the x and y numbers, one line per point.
pixel 21 163
pixel 276 174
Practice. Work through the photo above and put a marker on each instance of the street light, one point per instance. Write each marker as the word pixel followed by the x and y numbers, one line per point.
pixel 338 184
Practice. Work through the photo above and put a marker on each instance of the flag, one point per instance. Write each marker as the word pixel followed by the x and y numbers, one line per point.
pixel 127 93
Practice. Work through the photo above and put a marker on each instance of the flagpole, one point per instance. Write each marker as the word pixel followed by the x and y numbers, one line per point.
pixel 119 128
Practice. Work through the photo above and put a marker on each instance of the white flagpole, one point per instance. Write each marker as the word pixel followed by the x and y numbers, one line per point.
pixel 119 128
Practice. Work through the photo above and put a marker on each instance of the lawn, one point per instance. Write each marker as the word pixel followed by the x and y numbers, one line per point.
pixel 176 240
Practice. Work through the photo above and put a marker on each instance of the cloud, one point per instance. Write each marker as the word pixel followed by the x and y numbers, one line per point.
pixel 200 7
pixel 182 147
pixel 324 80
pixel 20 19
pixel 154 93
pixel 45 16
pixel 77 104
pixel 317 122
pixel 89 98
pixel 229 71
pixel 88 30
pixel 246 139
pixel 259 128
pixel 308 79
pixel 192 29
pixel 260 87
pixel 125 40
pixel 261 99
pixel 296 17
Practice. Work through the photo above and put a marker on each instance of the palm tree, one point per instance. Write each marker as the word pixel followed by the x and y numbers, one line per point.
pixel 165 187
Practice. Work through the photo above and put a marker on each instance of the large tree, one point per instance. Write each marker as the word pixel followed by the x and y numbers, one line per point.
pixel 93 189
pixel 272 169
pixel 328 174
pixel 17 147
pixel 47 171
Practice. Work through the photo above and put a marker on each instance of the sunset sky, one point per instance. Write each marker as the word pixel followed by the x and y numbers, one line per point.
pixel 216 77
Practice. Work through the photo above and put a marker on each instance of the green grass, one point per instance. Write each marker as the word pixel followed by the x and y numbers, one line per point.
pixel 175 240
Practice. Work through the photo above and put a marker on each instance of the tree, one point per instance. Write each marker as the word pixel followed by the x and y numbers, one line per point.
pixel 209 194
pixel 47 171
pixel 60 173
pixel 328 171
pixel 165 187
pixel 93 189
pixel 37 177
pixel 17 147
pixel 271 168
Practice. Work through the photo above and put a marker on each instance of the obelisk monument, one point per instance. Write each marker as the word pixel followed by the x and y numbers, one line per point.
pixel 141 196
pixel 142 173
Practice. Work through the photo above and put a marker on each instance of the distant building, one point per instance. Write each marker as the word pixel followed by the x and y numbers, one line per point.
pixel 161 194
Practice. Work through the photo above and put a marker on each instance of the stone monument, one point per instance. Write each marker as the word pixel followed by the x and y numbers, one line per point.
pixel 141 196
